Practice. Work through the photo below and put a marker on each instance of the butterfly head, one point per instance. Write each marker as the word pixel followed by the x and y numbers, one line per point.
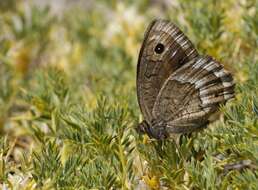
pixel 157 129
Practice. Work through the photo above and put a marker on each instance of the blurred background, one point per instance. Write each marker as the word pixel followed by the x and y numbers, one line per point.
pixel 69 64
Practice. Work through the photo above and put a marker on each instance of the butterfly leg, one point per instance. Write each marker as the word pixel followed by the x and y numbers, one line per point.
pixel 158 130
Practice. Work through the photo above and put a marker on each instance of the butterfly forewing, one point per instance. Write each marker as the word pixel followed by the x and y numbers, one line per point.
pixel 164 50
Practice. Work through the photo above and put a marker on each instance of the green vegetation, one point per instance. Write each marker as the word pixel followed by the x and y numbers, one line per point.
pixel 68 104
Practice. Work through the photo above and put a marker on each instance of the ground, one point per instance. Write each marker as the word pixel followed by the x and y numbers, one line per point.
pixel 68 105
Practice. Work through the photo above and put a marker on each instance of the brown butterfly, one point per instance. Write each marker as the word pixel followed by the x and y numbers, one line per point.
pixel 177 89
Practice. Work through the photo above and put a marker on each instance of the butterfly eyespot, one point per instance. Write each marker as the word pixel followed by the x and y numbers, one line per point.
pixel 159 48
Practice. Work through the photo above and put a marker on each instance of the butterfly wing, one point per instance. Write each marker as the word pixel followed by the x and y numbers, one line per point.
pixel 165 49
pixel 192 93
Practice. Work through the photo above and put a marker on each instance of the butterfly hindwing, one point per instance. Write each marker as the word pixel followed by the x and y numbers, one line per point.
pixel 192 93
pixel 165 49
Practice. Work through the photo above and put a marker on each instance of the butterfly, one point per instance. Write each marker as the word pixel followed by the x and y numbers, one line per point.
pixel 178 89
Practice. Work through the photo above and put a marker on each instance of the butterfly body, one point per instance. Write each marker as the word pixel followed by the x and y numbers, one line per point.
pixel 177 89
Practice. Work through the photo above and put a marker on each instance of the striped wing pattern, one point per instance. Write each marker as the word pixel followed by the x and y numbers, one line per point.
pixel 192 94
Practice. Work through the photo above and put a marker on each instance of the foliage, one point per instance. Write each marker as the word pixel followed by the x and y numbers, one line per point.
pixel 68 104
